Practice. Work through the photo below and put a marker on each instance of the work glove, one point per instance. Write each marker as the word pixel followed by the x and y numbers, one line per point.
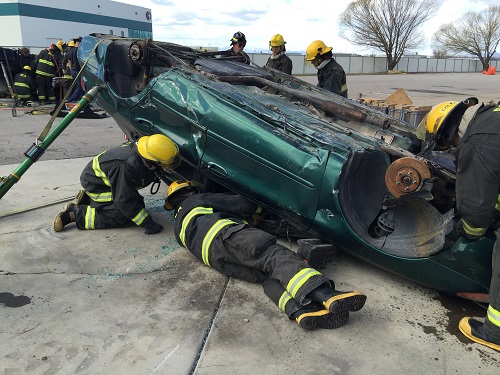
pixel 152 227
pixel 462 233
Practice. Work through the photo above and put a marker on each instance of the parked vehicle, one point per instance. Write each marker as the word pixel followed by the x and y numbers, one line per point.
pixel 323 166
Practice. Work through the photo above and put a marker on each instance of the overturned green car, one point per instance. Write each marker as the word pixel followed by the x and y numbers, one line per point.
pixel 323 166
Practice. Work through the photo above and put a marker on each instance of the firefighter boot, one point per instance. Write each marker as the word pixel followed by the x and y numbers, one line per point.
pixel 475 331
pixel 336 301
pixel 315 316
pixel 66 216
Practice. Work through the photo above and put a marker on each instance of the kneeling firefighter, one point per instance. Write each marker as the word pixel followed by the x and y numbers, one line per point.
pixel 110 181
pixel 215 229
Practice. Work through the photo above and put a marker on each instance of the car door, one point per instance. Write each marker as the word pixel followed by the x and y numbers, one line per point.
pixel 264 163
pixel 177 108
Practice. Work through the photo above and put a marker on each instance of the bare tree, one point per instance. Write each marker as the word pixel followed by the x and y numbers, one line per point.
pixel 390 26
pixel 476 33
pixel 440 52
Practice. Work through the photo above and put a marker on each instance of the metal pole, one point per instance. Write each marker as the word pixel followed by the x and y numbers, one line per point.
pixel 37 150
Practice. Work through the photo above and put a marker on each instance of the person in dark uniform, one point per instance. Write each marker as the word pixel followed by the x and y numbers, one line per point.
pixel 278 59
pixel 25 86
pixel 74 66
pixel 47 68
pixel 110 181
pixel 331 75
pixel 238 43
pixel 216 229
pixel 477 192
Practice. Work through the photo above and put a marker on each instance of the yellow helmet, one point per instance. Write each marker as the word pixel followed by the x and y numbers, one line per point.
pixel 71 43
pixel 316 49
pixel 443 120
pixel 277 41
pixel 160 149
pixel 176 187
pixel 26 67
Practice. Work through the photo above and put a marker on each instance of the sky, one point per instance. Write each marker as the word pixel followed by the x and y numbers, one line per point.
pixel 213 23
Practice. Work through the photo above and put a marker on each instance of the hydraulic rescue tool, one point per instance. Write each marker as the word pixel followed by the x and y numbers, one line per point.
pixel 37 149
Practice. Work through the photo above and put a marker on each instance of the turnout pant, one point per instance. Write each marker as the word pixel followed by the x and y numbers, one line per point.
pixel 44 88
pixel 492 322
pixel 286 277
pixel 102 215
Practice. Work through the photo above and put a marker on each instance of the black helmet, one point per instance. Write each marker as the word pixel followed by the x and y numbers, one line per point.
pixel 238 37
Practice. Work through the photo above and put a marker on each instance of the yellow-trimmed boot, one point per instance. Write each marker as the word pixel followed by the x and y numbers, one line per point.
pixel 65 217
pixel 474 330
pixel 314 316
pixel 336 301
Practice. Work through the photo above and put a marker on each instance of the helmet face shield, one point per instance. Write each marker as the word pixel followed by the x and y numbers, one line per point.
pixel 172 164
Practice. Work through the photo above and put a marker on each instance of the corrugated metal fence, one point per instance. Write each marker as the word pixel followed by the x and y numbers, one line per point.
pixel 373 65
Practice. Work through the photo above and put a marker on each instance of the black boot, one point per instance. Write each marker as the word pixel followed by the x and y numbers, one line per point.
pixel 315 316
pixel 65 217
pixel 474 330
pixel 336 301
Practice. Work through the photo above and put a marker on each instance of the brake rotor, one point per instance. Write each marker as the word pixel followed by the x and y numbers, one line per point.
pixel 138 53
pixel 405 176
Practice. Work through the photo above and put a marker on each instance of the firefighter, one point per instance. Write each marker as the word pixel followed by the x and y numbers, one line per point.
pixel 331 75
pixel 25 86
pixel 67 80
pixel 238 42
pixel 278 59
pixel 216 229
pixel 477 192
pixel 110 181
pixel 74 66
pixel 47 68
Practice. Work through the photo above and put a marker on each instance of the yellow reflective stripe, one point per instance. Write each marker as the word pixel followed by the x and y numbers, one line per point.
pixel 98 171
pixel 258 210
pixel 140 217
pixel 39 72
pixel 497 206
pixel 43 61
pixel 23 96
pixel 493 316
pixel 90 218
pixel 473 231
pixel 21 84
pixel 285 297
pixel 211 234
pixel 185 222
pixel 101 197
pixel 299 279
pixel 343 88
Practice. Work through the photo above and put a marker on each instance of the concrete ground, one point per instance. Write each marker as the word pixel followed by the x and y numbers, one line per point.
pixel 118 301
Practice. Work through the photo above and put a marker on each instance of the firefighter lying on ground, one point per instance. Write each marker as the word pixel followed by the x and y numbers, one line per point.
pixel 110 181
pixel 214 229
pixel 477 190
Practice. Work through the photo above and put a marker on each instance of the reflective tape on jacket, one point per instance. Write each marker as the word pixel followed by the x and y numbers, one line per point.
pixel 185 222
pixel 90 218
pixel 343 88
pixel 100 197
pixel 211 234
pixel 474 231
pixel 497 206
pixel 493 316
pixel 285 297
pixel 20 84
pixel 98 171
pixel 300 279
pixel 140 217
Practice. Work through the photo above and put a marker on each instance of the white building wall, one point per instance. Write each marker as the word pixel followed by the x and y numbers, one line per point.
pixel 38 33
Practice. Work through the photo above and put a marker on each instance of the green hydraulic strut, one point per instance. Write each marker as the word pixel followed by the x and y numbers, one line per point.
pixel 37 149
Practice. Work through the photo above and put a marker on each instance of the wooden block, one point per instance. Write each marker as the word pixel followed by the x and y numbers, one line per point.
pixel 399 97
